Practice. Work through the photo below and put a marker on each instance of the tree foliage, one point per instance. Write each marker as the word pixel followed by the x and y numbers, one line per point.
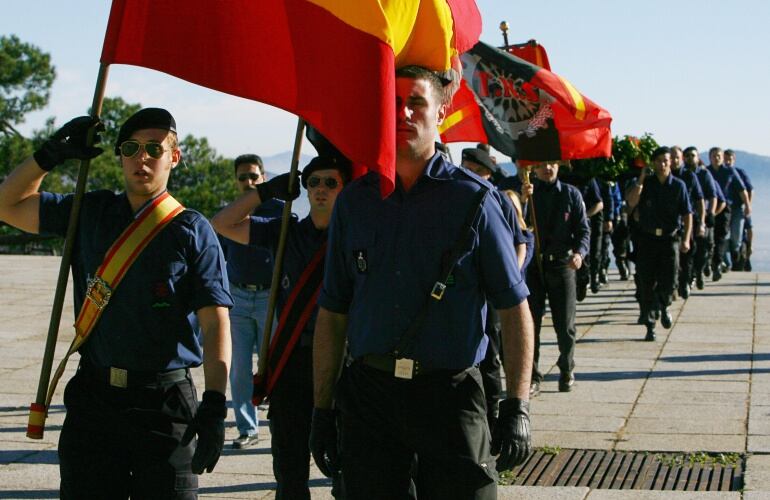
pixel 628 152
pixel 26 76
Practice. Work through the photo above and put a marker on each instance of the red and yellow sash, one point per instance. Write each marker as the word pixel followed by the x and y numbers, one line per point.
pixel 119 258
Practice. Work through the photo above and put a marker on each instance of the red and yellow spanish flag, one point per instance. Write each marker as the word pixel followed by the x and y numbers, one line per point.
pixel 524 111
pixel 331 62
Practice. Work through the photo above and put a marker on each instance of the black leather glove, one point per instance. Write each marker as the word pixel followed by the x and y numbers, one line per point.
pixel 512 438
pixel 323 441
pixel 278 187
pixel 209 425
pixel 709 219
pixel 69 142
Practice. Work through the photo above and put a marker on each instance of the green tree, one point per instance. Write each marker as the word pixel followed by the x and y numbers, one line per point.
pixel 26 76
pixel 204 179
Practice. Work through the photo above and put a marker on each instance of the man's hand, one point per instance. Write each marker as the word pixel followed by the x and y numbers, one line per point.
pixel 701 230
pixel 576 261
pixel 684 246
pixel 746 210
pixel 512 438
pixel 608 226
pixel 323 441
pixel 278 187
pixel 69 142
pixel 209 425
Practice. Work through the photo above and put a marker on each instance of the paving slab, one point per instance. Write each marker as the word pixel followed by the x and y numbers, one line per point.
pixel 704 385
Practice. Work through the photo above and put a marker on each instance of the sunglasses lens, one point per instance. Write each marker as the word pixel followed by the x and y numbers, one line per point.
pixel 331 183
pixel 313 182
pixel 245 177
pixel 154 150
pixel 129 148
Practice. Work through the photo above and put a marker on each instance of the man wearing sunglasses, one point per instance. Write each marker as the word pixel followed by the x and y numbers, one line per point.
pixel 291 398
pixel 416 391
pixel 250 269
pixel 132 410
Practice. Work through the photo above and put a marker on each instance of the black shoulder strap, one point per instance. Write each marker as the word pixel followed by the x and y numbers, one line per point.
pixel 448 264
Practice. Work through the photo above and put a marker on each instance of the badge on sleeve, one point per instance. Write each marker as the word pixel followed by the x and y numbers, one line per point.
pixel 362 265
pixel 285 282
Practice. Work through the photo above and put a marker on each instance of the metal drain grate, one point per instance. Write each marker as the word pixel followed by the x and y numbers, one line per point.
pixel 630 470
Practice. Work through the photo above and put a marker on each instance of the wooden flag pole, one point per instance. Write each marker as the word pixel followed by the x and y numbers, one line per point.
pixel 531 208
pixel 278 264
pixel 38 410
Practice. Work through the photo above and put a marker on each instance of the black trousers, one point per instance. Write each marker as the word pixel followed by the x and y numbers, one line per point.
pixel 619 237
pixel 687 264
pixel 431 429
pixel 721 237
pixel 290 414
pixel 597 231
pixel 119 443
pixel 558 285
pixel 702 252
pixel 656 269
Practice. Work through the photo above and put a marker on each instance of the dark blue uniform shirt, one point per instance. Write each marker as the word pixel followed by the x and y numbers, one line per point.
pixel 617 199
pixel 385 255
pixel 252 265
pixel 746 182
pixel 693 185
pixel 147 323
pixel 302 242
pixel 708 186
pixel 661 206
pixel 730 182
pixel 561 219
pixel 605 189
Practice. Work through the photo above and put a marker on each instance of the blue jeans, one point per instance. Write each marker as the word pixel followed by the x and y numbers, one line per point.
pixel 736 227
pixel 247 322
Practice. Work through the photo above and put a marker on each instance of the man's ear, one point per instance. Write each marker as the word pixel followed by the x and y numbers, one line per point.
pixel 442 110
pixel 176 157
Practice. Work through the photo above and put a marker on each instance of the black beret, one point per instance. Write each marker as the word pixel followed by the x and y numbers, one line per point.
pixel 481 157
pixel 339 163
pixel 144 119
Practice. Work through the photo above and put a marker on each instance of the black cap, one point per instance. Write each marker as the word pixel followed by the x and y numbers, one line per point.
pixel 339 163
pixel 144 119
pixel 481 157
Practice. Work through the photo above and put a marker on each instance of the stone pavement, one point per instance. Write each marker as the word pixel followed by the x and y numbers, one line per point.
pixel 704 385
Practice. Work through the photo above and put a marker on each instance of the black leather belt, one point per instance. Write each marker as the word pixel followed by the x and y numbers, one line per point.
pixel 125 379
pixel 551 257
pixel 252 288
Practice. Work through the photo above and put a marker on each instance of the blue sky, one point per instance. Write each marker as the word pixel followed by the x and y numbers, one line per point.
pixel 690 72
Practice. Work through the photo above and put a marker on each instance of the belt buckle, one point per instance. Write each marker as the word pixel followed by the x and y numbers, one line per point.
pixel 98 292
pixel 437 292
pixel 658 232
pixel 404 368
pixel 118 377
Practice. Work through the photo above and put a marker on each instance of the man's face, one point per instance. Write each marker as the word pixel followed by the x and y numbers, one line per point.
pixel 418 113
pixel 716 158
pixel 247 176
pixel 144 175
pixel 691 159
pixel 319 194
pixel 547 171
pixel 676 158
pixel 730 160
pixel 477 169
pixel 662 164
